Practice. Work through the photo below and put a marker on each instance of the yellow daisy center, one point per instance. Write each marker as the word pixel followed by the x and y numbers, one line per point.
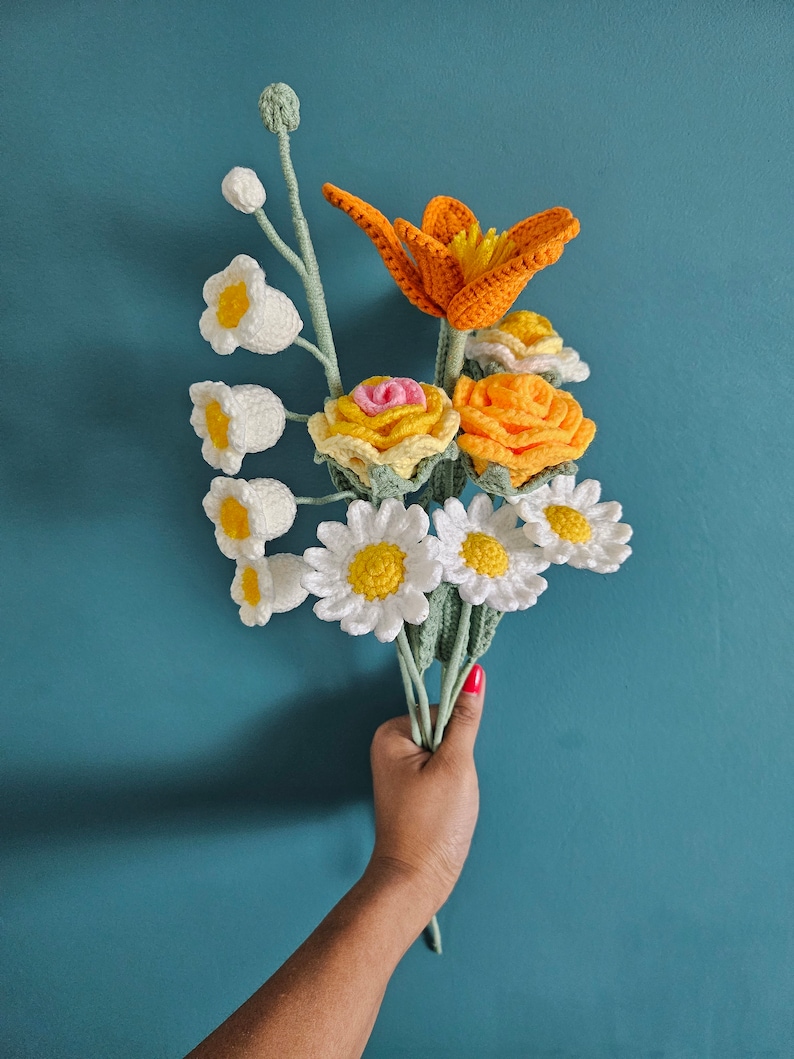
pixel 232 305
pixel 478 253
pixel 377 570
pixel 569 524
pixel 526 326
pixel 251 593
pixel 485 555
pixel 217 425
pixel 234 519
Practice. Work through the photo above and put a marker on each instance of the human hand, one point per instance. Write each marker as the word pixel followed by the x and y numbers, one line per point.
pixel 426 804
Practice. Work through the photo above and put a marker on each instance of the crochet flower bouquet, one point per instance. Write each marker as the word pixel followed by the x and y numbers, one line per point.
pixel 399 451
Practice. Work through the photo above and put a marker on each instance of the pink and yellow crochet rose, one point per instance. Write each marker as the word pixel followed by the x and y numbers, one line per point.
pixel 387 422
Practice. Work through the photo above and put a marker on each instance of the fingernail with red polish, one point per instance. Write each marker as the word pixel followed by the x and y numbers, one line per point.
pixel 473 681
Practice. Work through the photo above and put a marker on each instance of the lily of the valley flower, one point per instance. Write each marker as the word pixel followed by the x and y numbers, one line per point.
pixel 243 189
pixel 458 271
pixel 248 514
pixel 235 420
pixel 267 586
pixel 242 310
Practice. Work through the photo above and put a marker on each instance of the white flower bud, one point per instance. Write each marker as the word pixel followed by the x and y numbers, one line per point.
pixel 243 189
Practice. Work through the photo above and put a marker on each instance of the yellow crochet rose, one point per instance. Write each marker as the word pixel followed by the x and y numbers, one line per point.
pixel 385 422
pixel 520 422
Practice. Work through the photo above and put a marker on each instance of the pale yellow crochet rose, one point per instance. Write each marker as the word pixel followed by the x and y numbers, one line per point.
pixel 399 437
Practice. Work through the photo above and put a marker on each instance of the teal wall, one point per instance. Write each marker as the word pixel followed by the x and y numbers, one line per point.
pixel 184 797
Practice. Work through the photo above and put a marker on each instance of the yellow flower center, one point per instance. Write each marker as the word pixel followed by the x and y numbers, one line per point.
pixel 526 326
pixel 377 570
pixel 568 524
pixel 217 425
pixel 232 305
pixel 251 593
pixel 485 555
pixel 234 519
pixel 478 253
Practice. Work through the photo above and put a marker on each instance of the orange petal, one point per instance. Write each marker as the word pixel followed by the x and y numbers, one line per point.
pixel 442 276
pixel 555 225
pixel 444 217
pixel 381 232
pixel 483 301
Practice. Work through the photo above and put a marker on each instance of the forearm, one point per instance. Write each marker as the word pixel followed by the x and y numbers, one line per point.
pixel 324 1000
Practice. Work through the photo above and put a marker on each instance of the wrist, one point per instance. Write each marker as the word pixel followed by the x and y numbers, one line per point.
pixel 404 885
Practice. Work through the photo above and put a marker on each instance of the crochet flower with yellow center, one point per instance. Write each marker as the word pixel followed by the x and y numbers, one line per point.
pixel 398 437
pixel 458 272
pixel 520 422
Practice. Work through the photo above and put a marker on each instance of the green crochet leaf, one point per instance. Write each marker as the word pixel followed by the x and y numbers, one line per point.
pixel 385 482
pixel 424 638
pixel 448 479
pixel 449 620
pixel 343 478
pixel 476 371
pixel 495 479
pixel 484 621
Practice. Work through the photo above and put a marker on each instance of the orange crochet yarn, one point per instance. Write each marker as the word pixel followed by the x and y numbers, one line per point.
pixel 456 271
pixel 520 422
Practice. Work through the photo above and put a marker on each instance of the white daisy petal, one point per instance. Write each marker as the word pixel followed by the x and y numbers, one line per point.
pixel 577 529
pixel 586 494
pixel 375 570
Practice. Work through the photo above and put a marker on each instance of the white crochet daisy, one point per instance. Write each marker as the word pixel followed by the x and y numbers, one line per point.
pixel 234 420
pixel 570 526
pixel 266 586
pixel 373 573
pixel 247 514
pixel 487 557
pixel 242 310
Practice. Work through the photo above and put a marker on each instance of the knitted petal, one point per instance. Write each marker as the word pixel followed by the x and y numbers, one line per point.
pixel 381 232
pixel 444 217
pixel 483 301
pixel 440 270
pixel 555 225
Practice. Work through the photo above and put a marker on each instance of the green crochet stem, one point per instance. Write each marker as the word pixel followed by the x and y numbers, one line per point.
pixel 451 674
pixel 330 498
pixel 410 699
pixel 312 283
pixel 296 417
pixel 278 243
pixel 410 673
pixel 419 685
pixel 449 357
pixel 299 340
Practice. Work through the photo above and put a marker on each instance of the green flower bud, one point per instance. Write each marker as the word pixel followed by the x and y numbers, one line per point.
pixel 280 108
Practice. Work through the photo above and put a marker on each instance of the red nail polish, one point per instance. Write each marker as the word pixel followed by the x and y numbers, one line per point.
pixel 473 681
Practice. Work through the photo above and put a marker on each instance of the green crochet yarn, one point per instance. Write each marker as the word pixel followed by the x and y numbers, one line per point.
pixel 483 629
pixel 495 479
pixel 385 482
pixel 424 638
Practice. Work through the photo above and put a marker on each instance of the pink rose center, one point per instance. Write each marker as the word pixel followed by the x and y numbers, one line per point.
pixel 391 393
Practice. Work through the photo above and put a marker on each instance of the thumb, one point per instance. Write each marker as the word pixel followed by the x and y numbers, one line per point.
pixel 461 732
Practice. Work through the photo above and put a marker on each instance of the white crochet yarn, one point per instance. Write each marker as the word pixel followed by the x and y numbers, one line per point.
pixel 498 347
pixel 243 189
pixel 571 526
pixel 235 420
pixel 247 514
pixel 287 571
pixel 242 310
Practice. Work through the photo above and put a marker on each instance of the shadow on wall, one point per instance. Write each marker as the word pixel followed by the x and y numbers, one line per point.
pixel 313 757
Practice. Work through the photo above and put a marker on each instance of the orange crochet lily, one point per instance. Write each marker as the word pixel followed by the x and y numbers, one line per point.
pixel 456 271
